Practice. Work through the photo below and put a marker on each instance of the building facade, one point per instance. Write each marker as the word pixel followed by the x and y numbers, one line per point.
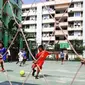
pixel 42 17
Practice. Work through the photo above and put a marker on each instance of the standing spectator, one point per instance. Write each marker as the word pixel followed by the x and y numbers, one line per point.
pixel 20 58
pixel 24 56
pixel 62 57
pixel 67 56
pixel 57 56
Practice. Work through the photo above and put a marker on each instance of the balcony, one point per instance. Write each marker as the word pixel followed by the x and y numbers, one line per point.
pixel 63 4
pixel 61 41
pixel 49 29
pixel 29 30
pixel 48 38
pixel 61 14
pixel 31 39
pixel 74 29
pixel 29 22
pixel 75 18
pixel 62 24
pixel 75 37
pixel 76 9
pixel 27 13
pixel 49 20
pixel 59 32
pixel 48 12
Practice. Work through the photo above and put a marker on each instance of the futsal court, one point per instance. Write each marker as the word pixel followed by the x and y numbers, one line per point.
pixel 54 74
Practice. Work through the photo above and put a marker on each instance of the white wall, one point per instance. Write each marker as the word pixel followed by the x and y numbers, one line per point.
pixel 39 24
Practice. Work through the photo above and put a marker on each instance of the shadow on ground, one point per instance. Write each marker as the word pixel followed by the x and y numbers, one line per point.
pixel 45 75
pixel 15 83
pixel 9 70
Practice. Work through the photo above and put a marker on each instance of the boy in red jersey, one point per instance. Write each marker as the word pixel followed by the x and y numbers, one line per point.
pixel 41 56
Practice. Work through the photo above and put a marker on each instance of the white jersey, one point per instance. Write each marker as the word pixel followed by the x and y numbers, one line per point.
pixel 8 52
pixel 20 56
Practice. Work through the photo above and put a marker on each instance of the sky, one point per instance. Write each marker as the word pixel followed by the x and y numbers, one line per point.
pixel 31 1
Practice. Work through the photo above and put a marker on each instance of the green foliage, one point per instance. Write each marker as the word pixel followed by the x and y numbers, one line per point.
pixel 57 47
pixel 78 45
pixel 77 59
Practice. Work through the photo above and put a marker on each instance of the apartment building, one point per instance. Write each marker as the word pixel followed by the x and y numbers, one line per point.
pixel 40 25
pixel 75 20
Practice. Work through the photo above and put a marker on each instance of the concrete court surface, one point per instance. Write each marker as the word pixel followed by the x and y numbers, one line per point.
pixel 54 72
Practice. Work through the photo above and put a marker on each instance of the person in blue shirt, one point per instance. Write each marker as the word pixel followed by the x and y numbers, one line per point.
pixel 62 57
pixel 2 54
pixel 24 56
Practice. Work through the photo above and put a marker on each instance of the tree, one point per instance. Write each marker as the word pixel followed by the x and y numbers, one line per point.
pixel 78 45
pixel 57 47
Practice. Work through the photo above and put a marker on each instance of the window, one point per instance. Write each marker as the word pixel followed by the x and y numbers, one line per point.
pixel 27 9
pixel 57 28
pixel 23 10
pixel 81 4
pixel 71 24
pixel 77 24
pixel 33 10
pixel 52 25
pixel 46 25
pixel 27 26
pixel 27 18
pixel 23 26
pixel 71 33
pixel 77 4
pixel 44 9
pixel 32 26
pixel 72 5
pixel 45 17
pixel 62 38
pixel 32 18
pixel 77 14
pixel 77 33
pixel 31 35
pixel 71 14
pixel 59 11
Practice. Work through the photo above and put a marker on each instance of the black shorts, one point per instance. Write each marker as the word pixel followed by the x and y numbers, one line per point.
pixel 62 59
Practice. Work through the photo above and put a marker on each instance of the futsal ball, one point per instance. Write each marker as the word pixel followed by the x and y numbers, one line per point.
pixel 22 73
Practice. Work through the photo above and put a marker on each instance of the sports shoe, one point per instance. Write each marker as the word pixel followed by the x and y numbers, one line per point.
pixel 2 70
pixel 33 73
pixel 20 65
pixel 36 77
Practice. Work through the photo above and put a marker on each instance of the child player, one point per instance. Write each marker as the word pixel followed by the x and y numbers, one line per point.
pixel 2 55
pixel 62 56
pixel 41 56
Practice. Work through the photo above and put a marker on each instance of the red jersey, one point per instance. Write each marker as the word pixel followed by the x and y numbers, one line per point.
pixel 41 56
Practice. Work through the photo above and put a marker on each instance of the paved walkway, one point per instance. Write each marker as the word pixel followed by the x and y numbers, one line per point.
pixel 54 72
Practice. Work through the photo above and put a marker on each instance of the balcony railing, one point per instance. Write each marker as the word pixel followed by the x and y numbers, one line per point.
pixel 61 14
pixel 59 32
